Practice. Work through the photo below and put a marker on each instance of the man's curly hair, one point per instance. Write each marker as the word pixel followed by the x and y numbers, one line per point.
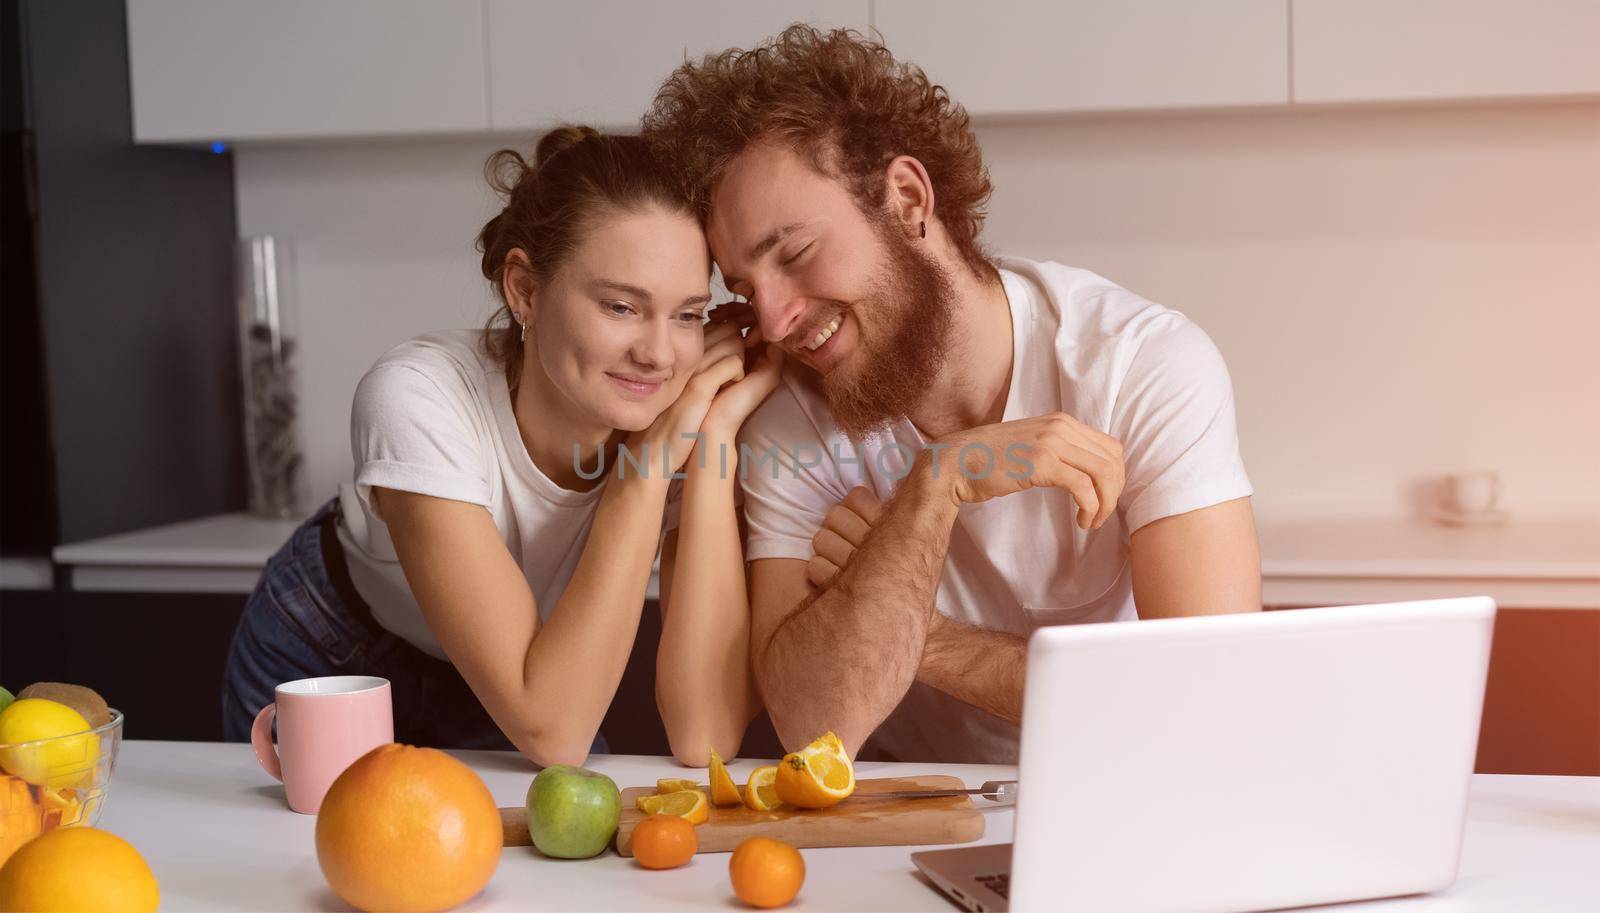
pixel 839 101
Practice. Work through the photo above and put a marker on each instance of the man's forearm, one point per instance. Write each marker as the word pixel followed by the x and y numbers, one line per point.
pixel 981 667
pixel 845 657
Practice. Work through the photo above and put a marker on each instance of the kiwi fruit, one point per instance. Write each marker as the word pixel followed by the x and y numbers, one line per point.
pixel 88 702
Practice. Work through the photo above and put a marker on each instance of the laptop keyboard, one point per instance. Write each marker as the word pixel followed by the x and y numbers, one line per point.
pixel 1000 883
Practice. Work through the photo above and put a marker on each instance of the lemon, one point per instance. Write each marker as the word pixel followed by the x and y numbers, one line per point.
pixel 59 763
pixel 48 873
pixel 689 804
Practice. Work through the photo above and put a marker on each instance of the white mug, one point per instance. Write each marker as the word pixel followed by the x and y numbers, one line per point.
pixel 1472 492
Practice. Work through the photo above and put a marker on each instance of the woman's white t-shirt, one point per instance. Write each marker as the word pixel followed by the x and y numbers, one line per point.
pixel 1140 372
pixel 434 416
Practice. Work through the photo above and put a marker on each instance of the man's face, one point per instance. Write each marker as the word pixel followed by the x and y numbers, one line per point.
pixel 855 299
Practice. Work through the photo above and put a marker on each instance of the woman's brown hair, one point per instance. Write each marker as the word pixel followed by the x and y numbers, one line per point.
pixel 839 101
pixel 577 176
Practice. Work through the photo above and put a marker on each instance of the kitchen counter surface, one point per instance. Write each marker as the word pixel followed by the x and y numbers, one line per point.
pixel 221 554
pixel 1304 561
pixel 216 831
pixel 1551 563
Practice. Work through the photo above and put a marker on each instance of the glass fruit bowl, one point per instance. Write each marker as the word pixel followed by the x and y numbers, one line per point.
pixel 58 782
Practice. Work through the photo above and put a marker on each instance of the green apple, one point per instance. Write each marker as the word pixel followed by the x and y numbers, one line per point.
pixel 572 812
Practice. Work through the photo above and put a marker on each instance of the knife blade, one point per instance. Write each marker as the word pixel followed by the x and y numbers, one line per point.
pixel 1000 791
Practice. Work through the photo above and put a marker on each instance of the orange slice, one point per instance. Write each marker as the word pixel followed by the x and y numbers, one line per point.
pixel 673 784
pixel 723 792
pixel 61 808
pixel 816 776
pixel 759 793
pixel 688 804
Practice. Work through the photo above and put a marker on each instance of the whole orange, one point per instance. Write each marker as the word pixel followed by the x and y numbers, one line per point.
pixel 766 872
pixel 663 841
pixel 19 815
pixel 78 868
pixel 407 829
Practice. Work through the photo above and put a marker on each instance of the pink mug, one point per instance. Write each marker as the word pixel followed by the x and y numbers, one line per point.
pixel 323 725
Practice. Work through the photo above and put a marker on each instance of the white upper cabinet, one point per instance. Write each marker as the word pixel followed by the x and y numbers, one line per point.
pixel 204 70
pixel 1385 50
pixel 242 69
pixel 1035 57
pixel 600 62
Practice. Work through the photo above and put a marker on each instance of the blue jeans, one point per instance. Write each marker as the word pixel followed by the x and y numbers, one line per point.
pixel 305 620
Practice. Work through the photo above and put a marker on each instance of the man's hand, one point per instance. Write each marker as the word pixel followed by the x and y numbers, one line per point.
pixel 874 657
pixel 981 667
pixel 844 528
pixel 1048 451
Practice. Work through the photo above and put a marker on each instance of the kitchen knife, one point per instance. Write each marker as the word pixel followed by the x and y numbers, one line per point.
pixel 1001 791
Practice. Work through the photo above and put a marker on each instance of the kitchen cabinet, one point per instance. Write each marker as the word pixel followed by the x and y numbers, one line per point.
pixel 1378 50
pixel 600 63
pixel 1038 57
pixel 157 657
pixel 205 70
pixel 1541 706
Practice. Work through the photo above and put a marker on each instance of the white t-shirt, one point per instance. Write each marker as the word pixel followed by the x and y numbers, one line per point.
pixel 434 416
pixel 1140 372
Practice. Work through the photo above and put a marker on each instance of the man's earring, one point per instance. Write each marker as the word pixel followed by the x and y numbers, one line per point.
pixel 523 337
pixel 924 228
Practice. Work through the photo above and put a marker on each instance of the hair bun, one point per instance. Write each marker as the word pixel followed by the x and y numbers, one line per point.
pixel 560 140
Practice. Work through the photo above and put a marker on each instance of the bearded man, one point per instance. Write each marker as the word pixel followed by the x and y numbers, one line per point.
pixel 976 445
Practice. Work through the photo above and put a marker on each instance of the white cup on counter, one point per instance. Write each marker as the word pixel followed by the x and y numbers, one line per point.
pixel 1472 493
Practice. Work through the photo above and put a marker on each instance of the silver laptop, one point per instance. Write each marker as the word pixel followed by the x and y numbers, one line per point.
pixel 1239 762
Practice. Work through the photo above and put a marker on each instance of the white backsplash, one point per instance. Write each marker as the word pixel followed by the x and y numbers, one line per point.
pixel 1397 292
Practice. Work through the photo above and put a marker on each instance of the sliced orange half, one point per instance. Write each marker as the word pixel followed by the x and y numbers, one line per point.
pixel 759 793
pixel 688 804
pixel 723 792
pixel 816 776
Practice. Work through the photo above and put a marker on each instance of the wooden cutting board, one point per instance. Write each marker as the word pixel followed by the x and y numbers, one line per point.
pixel 857 821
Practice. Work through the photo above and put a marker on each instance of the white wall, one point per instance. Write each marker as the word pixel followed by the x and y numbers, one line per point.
pixel 1398 292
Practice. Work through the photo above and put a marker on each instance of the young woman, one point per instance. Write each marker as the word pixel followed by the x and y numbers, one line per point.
pixel 491 556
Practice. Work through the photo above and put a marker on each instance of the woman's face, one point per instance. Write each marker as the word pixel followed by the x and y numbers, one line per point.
pixel 618 329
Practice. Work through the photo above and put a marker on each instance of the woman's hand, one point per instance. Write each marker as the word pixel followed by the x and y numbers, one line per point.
pixel 674 431
pixel 738 400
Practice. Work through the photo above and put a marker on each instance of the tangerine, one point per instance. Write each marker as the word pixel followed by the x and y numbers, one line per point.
pixel 663 841
pixel 766 872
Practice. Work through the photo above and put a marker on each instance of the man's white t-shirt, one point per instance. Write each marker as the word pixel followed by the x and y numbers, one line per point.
pixel 434 416
pixel 1140 372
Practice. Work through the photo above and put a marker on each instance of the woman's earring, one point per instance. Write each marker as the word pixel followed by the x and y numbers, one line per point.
pixel 924 225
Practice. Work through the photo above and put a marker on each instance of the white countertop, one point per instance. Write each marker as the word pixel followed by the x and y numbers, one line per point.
pixel 1530 563
pixel 216 831
pixel 1357 547
pixel 1524 563
pixel 221 554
